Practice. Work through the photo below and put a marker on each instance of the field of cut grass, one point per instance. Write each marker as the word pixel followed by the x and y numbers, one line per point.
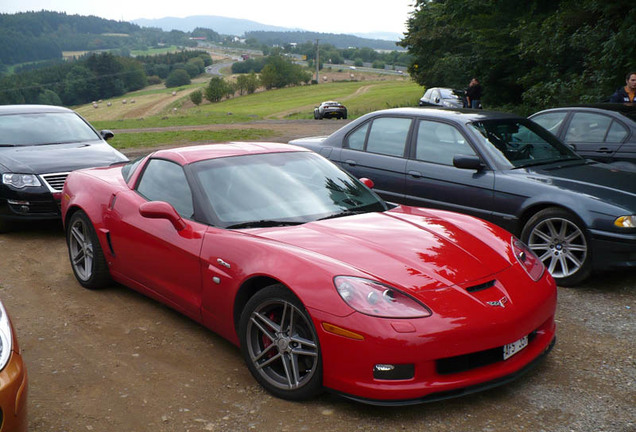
pixel 158 107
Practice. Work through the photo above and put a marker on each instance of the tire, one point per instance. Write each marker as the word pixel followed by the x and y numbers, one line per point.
pixel 317 115
pixel 560 240
pixel 85 253
pixel 280 345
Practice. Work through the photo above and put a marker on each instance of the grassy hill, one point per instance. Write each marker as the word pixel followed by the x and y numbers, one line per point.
pixel 149 117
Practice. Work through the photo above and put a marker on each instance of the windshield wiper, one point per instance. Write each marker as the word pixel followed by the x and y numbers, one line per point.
pixel 548 162
pixel 263 224
pixel 344 213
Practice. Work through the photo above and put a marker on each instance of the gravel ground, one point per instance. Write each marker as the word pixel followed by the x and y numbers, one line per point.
pixel 113 360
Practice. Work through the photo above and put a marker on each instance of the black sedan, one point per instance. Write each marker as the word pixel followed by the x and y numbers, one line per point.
pixel 577 215
pixel 330 109
pixel 606 133
pixel 39 146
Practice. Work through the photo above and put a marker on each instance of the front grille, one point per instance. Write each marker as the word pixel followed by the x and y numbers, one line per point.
pixel 55 181
pixel 474 360
pixel 36 207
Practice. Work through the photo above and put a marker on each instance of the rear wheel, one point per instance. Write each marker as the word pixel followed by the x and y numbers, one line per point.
pixel 86 255
pixel 280 344
pixel 559 239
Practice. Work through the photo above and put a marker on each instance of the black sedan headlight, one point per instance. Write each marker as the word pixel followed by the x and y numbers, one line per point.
pixel 20 181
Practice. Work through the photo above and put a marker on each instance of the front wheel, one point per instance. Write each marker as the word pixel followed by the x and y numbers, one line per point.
pixel 86 255
pixel 280 344
pixel 559 239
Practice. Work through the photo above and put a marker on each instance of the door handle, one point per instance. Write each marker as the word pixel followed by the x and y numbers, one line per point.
pixel 351 162
pixel 603 150
pixel 415 174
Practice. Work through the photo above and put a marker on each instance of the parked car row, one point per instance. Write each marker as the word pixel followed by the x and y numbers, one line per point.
pixel 577 215
pixel 433 243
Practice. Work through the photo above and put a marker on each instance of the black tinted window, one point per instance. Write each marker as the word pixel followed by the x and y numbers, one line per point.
pixel 165 181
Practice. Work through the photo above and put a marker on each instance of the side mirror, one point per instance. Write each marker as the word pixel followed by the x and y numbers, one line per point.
pixel 162 210
pixel 367 182
pixel 106 134
pixel 471 162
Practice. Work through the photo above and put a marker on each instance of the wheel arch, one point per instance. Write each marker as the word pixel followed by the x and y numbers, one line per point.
pixel 247 290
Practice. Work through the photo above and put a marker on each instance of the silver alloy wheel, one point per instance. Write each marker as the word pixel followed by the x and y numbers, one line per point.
pixel 282 344
pixel 560 244
pixel 81 249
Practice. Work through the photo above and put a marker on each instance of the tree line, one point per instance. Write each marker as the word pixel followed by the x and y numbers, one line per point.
pixel 99 76
pixel 533 54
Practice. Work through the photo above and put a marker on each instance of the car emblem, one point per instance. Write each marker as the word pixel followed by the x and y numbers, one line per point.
pixel 499 303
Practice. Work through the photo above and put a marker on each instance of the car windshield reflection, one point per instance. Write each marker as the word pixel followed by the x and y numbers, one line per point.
pixel 280 189
pixel 523 144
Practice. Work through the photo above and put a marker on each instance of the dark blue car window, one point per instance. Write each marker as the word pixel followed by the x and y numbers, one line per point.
pixel 587 128
pixel 388 136
pixel 617 133
pixel 439 143
pixel 356 139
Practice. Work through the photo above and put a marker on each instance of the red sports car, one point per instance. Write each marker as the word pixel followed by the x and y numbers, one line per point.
pixel 321 283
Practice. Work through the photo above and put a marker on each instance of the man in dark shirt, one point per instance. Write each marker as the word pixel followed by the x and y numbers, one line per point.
pixel 473 94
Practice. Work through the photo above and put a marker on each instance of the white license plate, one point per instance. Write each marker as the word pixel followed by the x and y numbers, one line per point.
pixel 513 348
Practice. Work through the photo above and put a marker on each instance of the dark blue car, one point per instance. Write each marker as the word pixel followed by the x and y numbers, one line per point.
pixel 577 215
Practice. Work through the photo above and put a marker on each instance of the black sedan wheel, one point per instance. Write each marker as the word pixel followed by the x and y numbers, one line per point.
pixel 85 253
pixel 560 241
pixel 280 345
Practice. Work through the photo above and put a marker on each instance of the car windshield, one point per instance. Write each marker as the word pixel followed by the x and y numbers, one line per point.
pixel 522 143
pixel 280 189
pixel 44 128
pixel 450 94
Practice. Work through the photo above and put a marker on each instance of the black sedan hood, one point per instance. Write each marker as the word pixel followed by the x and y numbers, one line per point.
pixel 51 158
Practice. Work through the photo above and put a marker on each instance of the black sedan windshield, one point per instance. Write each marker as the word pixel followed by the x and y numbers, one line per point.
pixel 523 143
pixel 44 128
pixel 280 188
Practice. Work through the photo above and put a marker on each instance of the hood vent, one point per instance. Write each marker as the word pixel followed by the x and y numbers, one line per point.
pixel 481 287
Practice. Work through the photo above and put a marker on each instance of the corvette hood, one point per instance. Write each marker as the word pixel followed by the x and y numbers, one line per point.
pixel 415 251
pixel 52 158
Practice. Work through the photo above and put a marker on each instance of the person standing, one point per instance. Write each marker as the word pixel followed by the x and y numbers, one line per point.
pixel 627 93
pixel 473 94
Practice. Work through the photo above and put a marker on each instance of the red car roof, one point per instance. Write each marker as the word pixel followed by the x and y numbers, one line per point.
pixel 186 155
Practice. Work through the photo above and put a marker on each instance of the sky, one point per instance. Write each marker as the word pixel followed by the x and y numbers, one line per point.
pixel 338 16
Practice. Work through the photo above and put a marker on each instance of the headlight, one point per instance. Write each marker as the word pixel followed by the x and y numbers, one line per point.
pixel 20 181
pixel 6 338
pixel 376 299
pixel 528 260
pixel 626 222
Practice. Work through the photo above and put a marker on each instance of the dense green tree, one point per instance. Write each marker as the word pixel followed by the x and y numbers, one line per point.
pixel 547 52
pixel 217 89
pixel 247 83
pixel 279 72
pixel 178 77
pixel 196 97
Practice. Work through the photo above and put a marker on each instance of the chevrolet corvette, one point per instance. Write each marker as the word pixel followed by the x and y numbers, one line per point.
pixel 322 284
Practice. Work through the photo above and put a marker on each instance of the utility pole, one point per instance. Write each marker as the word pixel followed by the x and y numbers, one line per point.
pixel 317 62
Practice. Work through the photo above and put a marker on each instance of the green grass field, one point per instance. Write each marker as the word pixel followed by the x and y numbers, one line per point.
pixel 158 107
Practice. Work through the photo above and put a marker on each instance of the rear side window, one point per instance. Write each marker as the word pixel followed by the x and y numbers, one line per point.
pixel 388 136
pixel 165 181
pixel 588 128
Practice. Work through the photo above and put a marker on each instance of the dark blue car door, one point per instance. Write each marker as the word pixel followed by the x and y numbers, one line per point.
pixel 433 181
pixel 376 150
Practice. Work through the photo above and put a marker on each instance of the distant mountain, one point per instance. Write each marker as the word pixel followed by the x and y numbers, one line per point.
pixel 235 26
pixel 222 25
